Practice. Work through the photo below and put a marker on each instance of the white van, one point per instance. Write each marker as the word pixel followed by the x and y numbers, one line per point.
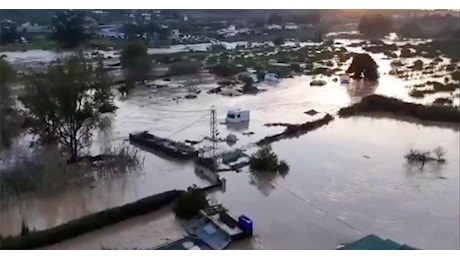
pixel 237 116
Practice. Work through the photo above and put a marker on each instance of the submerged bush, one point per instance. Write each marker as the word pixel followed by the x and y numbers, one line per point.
pixel 363 66
pixel 184 68
pixel 225 69
pixel 443 101
pixel 377 103
pixel 190 203
pixel 265 159
pixel 455 75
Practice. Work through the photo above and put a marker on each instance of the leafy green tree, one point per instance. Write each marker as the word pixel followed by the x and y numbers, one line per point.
pixel 224 69
pixel 9 123
pixel 66 103
pixel 275 19
pixel 363 66
pixel 375 25
pixel 69 28
pixel 8 32
pixel 185 68
pixel 278 41
pixel 266 160
pixel 136 62
pixel 190 203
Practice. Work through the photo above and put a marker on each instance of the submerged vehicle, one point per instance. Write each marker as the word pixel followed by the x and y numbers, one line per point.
pixel 237 116
pixel 169 147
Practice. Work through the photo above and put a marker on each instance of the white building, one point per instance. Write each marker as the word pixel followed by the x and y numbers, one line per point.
pixel 33 28
pixel 274 27
pixel 291 26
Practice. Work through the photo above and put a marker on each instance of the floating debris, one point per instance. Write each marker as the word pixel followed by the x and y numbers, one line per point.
pixel 311 112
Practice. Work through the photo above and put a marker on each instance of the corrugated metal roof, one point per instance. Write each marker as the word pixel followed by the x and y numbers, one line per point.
pixel 373 242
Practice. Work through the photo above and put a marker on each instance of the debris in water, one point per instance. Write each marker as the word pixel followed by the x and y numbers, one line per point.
pixel 190 96
pixel 311 112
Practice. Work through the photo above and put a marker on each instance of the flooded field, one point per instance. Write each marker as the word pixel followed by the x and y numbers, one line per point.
pixel 346 179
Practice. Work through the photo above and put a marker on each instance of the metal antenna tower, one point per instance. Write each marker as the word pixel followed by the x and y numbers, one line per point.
pixel 213 127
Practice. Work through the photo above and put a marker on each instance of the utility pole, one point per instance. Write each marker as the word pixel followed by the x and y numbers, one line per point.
pixel 213 128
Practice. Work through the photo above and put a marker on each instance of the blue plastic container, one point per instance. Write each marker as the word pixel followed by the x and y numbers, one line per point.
pixel 245 224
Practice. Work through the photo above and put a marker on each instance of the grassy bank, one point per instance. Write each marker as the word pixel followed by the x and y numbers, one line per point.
pixel 296 130
pixel 377 103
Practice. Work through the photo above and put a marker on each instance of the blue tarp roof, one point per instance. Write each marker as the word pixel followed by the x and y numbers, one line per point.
pixel 373 242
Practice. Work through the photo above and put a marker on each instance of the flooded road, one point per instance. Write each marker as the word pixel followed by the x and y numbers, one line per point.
pixel 346 179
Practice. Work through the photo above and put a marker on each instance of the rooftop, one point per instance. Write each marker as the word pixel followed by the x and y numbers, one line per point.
pixel 373 242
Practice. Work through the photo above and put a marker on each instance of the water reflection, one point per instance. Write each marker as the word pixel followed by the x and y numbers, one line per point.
pixel 361 88
pixel 265 181
pixel 237 127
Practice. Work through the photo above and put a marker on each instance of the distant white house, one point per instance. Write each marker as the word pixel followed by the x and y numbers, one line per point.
pixel 232 31
pixel 146 16
pixel 112 33
pixel 33 28
pixel 291 26
pixel 274 27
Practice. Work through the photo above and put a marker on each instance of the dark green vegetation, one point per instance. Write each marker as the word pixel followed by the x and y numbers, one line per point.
pixel 419 91
pixel 375 25
pixel 44 169
pixel 278 41
pixel 285 61
pixel 363 66
pixel 377 103
pixel 266 160
pixel 136 62
pixel 69 28
pixel 184 68
pixel 417 156
pixel 10 124
pixel 36 239
pixel 8 32
pixel 66 103
pixel 292 130
pixel 443 101
pixel 190 203
pixel 430 27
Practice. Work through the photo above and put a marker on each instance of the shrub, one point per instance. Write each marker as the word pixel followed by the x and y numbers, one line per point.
pixel 363 66
pixel 377 103
pixel 418 65
pixel 407 53
pixel 283 167
pixel 278 41
pixel 266 160
pixel 224 69
pixel 190 203
pixel 184 68
pixel 456 75
pixel 442 101
pixel 417 93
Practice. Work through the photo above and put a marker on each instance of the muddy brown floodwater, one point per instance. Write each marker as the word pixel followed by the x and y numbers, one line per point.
pixel 346 179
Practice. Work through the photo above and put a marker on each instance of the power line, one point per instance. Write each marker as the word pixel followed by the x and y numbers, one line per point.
pixel 310 204
pixel 187 126
pixel 182 111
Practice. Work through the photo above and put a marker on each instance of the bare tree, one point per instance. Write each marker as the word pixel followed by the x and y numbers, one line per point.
pixel 439 152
